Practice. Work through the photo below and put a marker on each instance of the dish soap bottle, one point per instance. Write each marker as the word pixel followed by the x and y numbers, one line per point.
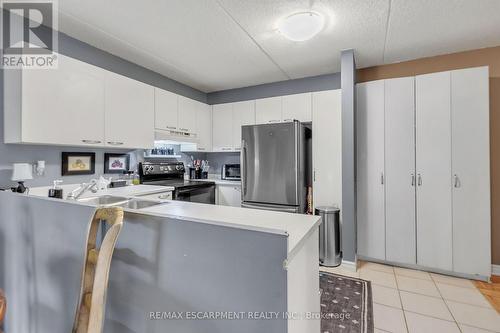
pixel 56 191
pixel 135 179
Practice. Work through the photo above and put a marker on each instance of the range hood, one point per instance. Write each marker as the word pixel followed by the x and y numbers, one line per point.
pixel 175 138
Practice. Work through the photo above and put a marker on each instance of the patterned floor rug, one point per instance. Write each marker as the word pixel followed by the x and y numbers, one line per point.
pixel 346 304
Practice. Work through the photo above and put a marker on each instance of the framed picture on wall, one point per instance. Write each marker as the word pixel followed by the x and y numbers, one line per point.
pixel 77 163
pixel 116 163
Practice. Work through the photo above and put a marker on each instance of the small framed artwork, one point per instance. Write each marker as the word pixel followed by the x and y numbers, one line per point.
pixel 77 163
pixel 116 163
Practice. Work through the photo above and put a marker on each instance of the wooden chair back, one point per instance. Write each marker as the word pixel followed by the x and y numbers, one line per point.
pixel 89 317
pixel 3 308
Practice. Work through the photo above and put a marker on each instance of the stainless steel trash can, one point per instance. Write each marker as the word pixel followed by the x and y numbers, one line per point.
pixel 330 253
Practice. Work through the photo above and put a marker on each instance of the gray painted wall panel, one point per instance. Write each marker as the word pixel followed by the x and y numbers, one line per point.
pixel 348 156
pixel 79 50
pixel 160 264
pixel 289 87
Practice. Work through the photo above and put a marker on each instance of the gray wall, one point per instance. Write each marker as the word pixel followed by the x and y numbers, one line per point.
pixel 348 155
pixel 52 155
pixel 289 87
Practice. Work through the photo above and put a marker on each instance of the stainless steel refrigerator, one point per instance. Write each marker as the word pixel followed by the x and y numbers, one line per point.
pixel 275 166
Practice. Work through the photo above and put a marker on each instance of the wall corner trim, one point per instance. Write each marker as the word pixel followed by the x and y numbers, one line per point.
pixel 348 81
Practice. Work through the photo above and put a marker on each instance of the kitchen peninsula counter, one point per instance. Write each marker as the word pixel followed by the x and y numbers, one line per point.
pixel 178 256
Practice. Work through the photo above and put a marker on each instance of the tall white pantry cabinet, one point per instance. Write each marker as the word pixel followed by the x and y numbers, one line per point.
pixel 423 178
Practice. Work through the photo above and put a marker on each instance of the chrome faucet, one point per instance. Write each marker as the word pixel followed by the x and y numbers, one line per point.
pixel 84 187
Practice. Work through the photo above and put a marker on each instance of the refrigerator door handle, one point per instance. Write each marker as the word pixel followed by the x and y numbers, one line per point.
pixel 243 169
pixel 277 208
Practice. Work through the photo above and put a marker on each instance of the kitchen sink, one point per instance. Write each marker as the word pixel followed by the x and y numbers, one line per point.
pixel 139 204
pixel 124 202
pixel 105 200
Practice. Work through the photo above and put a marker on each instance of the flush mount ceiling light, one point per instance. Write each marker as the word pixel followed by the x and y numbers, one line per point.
pixel 302 26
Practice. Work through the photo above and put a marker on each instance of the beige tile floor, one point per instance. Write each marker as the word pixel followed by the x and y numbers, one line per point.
pixel 411 301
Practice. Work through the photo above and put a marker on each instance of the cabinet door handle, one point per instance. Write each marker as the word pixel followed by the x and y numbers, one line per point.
pixel 419 181
pixel 184 129
pixel 172 127
pixel 200 148
pixel 382 178
pixel 274 121
pixel 93 142
pixel 412 179
pixel 115 143
pixel 226 148
pixel 457 183
pixel 290 119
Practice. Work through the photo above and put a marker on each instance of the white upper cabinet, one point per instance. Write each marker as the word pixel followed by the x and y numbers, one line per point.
pixel 187 115
pixel 63 106
pixel 327 148
pixel 129 115
pixel 222 120
pixel 204 127
pixel 166 108
pixel 297 107
pixel 243 114
pixel 268 110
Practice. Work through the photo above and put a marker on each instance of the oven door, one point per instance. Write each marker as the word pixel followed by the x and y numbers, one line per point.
pixel 205 194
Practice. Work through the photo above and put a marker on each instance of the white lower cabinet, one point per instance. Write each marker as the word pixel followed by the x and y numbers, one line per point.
pixel 228 195
pixel 157 196
pixel 433 199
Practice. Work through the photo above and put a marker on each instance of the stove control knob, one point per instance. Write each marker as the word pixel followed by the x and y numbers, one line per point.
pixel 178 167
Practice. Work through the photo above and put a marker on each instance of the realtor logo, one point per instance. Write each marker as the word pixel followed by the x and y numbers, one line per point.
pixel 29 35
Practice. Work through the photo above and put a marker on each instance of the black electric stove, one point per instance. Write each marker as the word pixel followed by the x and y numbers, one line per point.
pixel 172 174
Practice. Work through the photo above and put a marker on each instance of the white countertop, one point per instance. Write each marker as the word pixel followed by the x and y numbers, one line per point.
pixel 125 191
pixel 296 226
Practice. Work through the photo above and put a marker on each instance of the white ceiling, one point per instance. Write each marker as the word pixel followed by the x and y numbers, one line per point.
pixel 222 44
